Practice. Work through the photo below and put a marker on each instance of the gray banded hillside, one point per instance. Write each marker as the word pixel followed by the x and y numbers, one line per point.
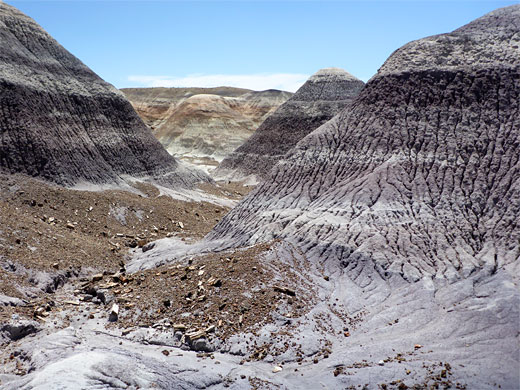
pixel 61 122
pixel 325 94
pixel 410 200
pixel 419 176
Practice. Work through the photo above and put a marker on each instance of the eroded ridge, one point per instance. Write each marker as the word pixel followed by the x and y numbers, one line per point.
pixel 61 122
pixel 418 176
pixel 325 94
pixel 204 125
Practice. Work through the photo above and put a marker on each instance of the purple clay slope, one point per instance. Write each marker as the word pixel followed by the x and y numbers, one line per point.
pixel 419 176
pixel 324 95
pixel 410 200
pixel 61 122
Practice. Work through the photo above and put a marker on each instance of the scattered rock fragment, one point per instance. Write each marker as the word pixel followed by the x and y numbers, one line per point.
pixel 285 290
pixel 195 335
pixel 148 247
pixel 114 313
pixel 179 327
pixel 97 277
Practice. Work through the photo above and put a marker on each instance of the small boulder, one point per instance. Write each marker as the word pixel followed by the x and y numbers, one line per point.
pixel 148 246
pixel 201 345
pixel 16 330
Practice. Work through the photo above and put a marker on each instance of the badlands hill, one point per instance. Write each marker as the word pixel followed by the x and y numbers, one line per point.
pixel 422 165
pixel 394 263
pixel 61 122
pixel 326 93
pixel 410 198
pixel 203 125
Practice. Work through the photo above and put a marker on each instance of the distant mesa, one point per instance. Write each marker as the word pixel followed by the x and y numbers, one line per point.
pixel 152 104
pixel 204 125
pixel 325 94
pixel 61 122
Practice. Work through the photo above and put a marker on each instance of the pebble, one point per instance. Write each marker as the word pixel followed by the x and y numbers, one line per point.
pixel 148 247
pixel 285 290
pixel 97 277
pixel 114 313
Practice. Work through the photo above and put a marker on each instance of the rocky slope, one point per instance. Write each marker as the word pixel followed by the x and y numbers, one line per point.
pixel 326 93
pixel 59 121
pixel 203 125
pixel 396 264
pixel 417 181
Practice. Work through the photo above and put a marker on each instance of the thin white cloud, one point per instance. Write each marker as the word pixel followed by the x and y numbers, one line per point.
pixel 258 82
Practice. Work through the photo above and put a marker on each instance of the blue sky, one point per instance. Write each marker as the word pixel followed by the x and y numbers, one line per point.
pixel 258 45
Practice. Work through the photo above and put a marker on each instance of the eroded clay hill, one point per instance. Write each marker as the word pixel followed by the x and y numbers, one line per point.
pixel 419 177
pixel 61 122
pixel 396 268
pixel 325 94
pixel 204 125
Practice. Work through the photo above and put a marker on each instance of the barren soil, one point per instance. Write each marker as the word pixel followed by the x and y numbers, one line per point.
pixel 57 231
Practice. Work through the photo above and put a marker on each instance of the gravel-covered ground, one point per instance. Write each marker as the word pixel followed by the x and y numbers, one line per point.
pixel 49 234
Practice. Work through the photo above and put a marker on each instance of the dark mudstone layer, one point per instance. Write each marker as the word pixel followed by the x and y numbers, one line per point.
pixel 324 95
pixel 419 176
pixel 63 123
